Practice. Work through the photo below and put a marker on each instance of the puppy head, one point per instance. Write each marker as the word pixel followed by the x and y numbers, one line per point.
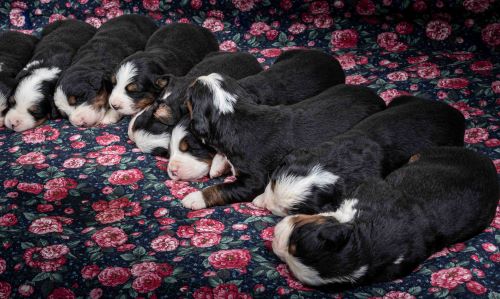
pixel 135 87
pixel 30 105
pixel 149 132
pixel 189 158
pixel 209 99
pixel 297 187
pixel 82 96
pixel 319 249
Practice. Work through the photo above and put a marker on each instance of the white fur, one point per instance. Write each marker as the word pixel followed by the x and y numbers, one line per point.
pixel 346 212
pixel 223 100
pixel 194 201
pixel 86 115
pixel 290 190
pixel 61 102
pixel 166 94
pixel 32 64
pixel 220 166
pixel 119 96
pixel 146 141
pixel 307 275
pixel 399 260
pixel 27 94
pixel 1 66
pixel 185 165
pixel 111 117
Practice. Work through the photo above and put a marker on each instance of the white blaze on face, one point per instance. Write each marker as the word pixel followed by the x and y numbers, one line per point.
pixel 86 115
pixel 28 94
pixel 61 102
pixel 145 140
pixel 306 274
pixel 3 106
pixel 183 165
pixel 223 100
pixel 346 212
pixel 119 98
pixel 290 190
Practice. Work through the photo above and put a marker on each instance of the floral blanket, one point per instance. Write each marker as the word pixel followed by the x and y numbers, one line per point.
pixel 84 213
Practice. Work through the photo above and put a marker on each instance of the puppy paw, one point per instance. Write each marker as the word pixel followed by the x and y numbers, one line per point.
pixel 219 166
pixel 111 117
pixel 194 201
pixel 259 201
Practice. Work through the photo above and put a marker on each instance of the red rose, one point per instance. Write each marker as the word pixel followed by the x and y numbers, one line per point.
pixel 489 247
pixel 476 135
pixel 450 278
pixel 476 6
pixel 398 295
pixel 164 269
pixel 404 28
pixel 230 259
pixel 205 239
pixel 428 70
pixel 259 28
pixel 494 142
pixel 90 271
pixel 203 293
pixel 110 216
pixel 144 268
pixel 227 291
pixel 200 213
pixel 319 7
pixel 3 265
pixel 26 290
pixel 146 283
pixel 10 183
pixel 185 231
pixel 113 150
pixel 482 66
pixel 54 251
pixel 78 144
pixel 31 158
pixel 196 4
pixel 113 276
pixel 271 52
pixel 438 30
pixel 55 194
pixel 213 24
pixel 179 189
pixel 390 94
pixel 347 61
pixel 355 79
pixel 33 188
pixel 8 219
pixel 243 5
pixel 249 209
pixel 208 226
pixel 495 86
pixel 389 41
pixel 272 34
pixel 286 4
pixel 126 177
pixel 297 28
pixel 119 203
pixel 228 46
pixel 164 243
pixel 490 34
pixel 100 205
pixel 16 17
pixel 476 287
pixel 151 5
pixel 267 233
pixel 5 289
pixel 494 257
pixel 45 225
pixel 398 76
pixel 65 183
pixel 365 7
pixel 453 83
pixel 110 237
pixel 343 39
pixel 74 163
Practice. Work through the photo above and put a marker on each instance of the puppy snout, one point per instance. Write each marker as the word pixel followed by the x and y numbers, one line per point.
pixel 173 169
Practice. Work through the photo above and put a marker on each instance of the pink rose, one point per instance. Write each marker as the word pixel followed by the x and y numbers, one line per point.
pixel 110 216
pixel 343 39
pixel 54 251
pixel 489 247
pixel 74 163
pixel 10 183
pixel 3 265
pixel 205 239
pixel 476 6
pixel 243 5
pixel 259 28
pixel 250 209
pixel 398 76
pixel 476 287
pixel 404 28
pixel 450 278
pixel 347 61
pixel 267 233
pixel 126 177
pixel 355 79
pixel 482 66
pixel 144 268
pixel 200 213
pixel 271 52
pixel 208 226
pixel 495 86
pixel 114 276
pixel 113 150
pixel 230 259
pixel 151 5
pixel 109 237
pixel 147 283
pixel 16 17
pixel 96 22
pixel 323 21
pixel 55 194
pixel 90 271
pixel 490 34
pixel 272 34
pixel 365 7
pixel 59 293
pixel 398 295
pixel 428 70
pixel 179 189
pixel 108 160
pixel 8 219
pixel 45 225
pixel 213 24
pixel 196 4
pixel 438 30
pixel 33 188
pixel 31 158
pixel 389 41
pixel 296 28
pixel 56 17
pixel 185 231
pixel 319 7
pixel 64 182
pixel 26 290
pixel 107 139
pixel 228 46
pixel 453 83
pixel 390 94
pixel 164 243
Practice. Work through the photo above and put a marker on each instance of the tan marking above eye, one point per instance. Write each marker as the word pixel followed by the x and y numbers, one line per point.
pixel 189 106
pixel 72 100
pixel 163 113
pixel 113 80
pixel 161 82
pixel 183 145
pixel 132 87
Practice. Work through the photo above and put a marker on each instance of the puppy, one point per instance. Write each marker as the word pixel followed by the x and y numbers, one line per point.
pixel 32 102
pixel 83 89
pixel 296 75
pixel 173 49
pixel 314 180
pixel 255 138
pixel 16 49
pixel 388 227
pixel 151 128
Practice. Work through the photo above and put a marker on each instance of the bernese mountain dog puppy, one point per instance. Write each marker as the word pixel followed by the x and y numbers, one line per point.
pixel 83 89
pixel 151 128
pixel 173 49
pixel 310 181
pixel 382 232
pixel 33 100
pixel 16 49
pixel 255 138
pixel 296 75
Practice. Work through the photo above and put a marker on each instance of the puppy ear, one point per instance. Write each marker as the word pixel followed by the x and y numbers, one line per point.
pixel 160 82
pixel 198 104
pixel 107 83
pixel 163 114
pixel 336 235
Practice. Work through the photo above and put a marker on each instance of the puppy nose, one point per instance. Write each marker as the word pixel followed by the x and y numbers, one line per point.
pixel 173 170
pixel 15 122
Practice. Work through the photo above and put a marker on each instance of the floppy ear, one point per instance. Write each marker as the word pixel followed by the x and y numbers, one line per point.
pixel 336 235
pixel 163 113
pixel 199 100
pixel 160 82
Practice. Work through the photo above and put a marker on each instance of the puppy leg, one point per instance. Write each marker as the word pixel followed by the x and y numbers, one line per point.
pixel 220 166
pixel 111 117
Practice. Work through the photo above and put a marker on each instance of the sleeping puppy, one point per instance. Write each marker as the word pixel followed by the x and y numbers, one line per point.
pixel 295 76
pixel 388 227
pixel 151 128
pixel 16 49
pixel 173 49
pixel 255 138
pixel 32 102
pixel 83 89
pixel 314 180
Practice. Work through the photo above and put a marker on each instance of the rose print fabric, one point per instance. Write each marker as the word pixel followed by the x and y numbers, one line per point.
pixel 83 213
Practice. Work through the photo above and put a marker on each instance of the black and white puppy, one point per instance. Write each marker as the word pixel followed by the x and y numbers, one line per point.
pixel 16 49
pixel 314 180
pixel 83 89
pixel 151 128
pixel 255 138
pixel 295 76
pixel 173 49
pixel 389 226
pixel 33 100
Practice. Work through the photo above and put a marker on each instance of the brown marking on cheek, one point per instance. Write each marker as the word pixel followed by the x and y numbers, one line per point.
pixel 213 196
pixel 41 121
pixel 144 102
pixel 101 99
pixel 292 249
pixel 161 82
pixel 414 158
pixel 301 220
pixel 183 145
pixel 163 113
pixel 113 80
pixel 189 106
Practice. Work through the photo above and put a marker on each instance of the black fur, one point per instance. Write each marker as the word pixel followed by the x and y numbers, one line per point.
pixel 373 148
pixel 255 138
pixel 116 39
pixel 16 49
pixel 173 49
pixel 448 195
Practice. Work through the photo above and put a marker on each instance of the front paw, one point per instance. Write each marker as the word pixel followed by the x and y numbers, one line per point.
pixel 259 201
pixel 194 201
pixel 220 166
pixel 111 117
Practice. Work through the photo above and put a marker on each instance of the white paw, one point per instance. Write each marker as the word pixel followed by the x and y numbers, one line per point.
pixel 219 166
pixel 259 201
pixel 194 201
pixel 111 117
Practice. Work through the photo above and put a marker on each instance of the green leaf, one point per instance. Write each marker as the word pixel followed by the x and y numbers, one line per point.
pixel 128 257
pixel 170 279
pixel 139 251
pixel 41 276
pixel 29 216
pixel 282 37
pixel 378 291
pixel 26 245
pixel 415 290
